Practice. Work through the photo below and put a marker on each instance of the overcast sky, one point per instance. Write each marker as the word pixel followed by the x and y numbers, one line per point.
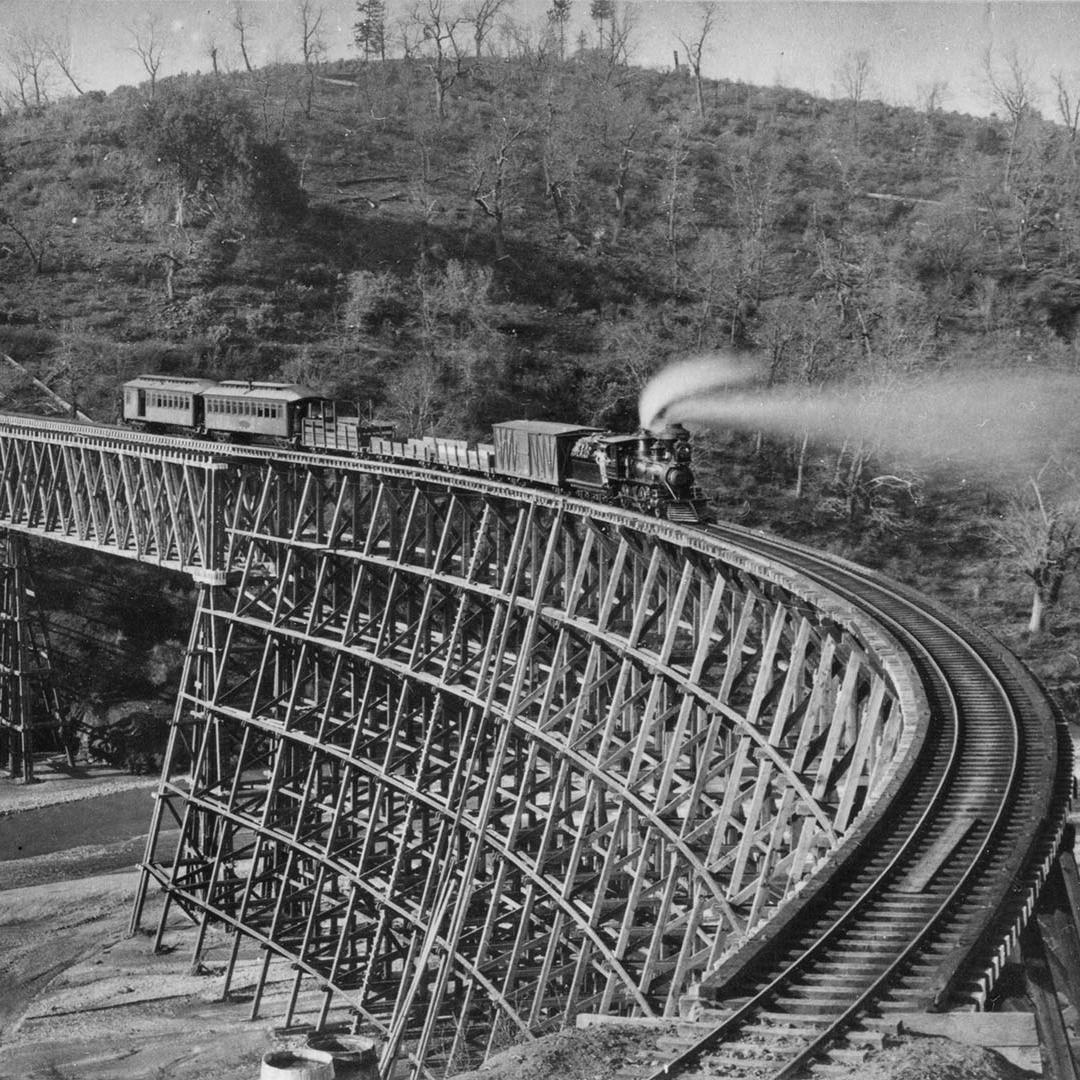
pixel 798 43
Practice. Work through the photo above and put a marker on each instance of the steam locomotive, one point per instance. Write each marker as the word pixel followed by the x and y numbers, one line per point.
pixel 649 471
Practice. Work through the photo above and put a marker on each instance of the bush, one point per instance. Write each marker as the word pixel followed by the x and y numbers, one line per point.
pixel 203 136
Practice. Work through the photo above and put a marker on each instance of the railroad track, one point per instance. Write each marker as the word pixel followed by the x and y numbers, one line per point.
pixel 923 916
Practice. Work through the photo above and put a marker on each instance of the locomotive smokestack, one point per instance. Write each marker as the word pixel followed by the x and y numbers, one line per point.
pixel 668 432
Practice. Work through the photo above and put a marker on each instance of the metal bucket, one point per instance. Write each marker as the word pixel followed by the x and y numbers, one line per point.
pixel 355 1056
pixel 300 1064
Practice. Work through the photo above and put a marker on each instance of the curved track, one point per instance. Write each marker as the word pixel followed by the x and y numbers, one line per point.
pixel 923 915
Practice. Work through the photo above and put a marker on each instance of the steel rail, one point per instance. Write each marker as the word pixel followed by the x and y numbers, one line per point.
pixel 754 1005
pixel 974 865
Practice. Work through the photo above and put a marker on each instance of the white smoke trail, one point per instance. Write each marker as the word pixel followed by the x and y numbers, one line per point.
pixel 697 375
pixel 992 420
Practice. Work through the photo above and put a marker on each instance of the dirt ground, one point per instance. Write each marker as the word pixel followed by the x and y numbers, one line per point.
pixel 79 998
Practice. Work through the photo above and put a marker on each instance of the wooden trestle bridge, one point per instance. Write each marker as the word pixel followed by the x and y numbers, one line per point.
pixel 470 759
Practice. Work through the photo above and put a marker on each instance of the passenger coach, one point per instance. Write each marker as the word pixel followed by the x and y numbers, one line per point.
pixel 165 401
pixel 267 410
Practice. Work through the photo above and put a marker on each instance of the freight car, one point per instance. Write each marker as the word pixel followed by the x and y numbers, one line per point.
pixel 649 471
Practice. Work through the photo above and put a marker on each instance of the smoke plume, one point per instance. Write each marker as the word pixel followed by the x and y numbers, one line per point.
pixel 991 420
pixel 698 375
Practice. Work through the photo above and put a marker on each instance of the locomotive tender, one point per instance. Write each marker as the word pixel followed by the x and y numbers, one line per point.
pixel 649 471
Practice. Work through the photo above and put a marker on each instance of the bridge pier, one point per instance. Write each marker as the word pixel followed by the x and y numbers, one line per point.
pixel 29 708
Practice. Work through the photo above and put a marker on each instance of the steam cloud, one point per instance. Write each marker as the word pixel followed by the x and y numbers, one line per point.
pixel 990 420
pixel 698 375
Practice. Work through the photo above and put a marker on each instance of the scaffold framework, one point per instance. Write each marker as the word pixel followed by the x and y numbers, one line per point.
pixel 467 759
pixel 476 765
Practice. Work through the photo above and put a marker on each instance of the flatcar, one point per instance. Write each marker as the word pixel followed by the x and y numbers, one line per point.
pixel 649 471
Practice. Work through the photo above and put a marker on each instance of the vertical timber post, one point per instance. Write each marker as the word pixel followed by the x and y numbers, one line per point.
pixel 193 731
pixel 28 701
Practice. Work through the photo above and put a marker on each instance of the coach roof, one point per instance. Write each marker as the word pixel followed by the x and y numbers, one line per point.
pixel 170 382
pixel 264 391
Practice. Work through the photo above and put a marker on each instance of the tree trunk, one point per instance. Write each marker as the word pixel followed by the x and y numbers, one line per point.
pixel 801 469
pixel 839 462
pixel 620 194
pixel 554 191
pixel 1037 622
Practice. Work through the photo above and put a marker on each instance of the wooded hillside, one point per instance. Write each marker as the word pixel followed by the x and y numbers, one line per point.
pixel 453 241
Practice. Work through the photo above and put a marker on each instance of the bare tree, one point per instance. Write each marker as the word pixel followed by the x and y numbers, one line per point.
pixel 58 46
pixel 620 31
pixel 560 157
pixel 309 18
pixel 492 177
pixel 36 226
pixel 853 75
pixel 438 23
pixel 149 41
pixel 695 47
pixel 622 175
pixel 1012 90
pixel 1042 533
pixel 481 14
pixel 930 97
pixel 678 155
pixel 273 97
pixel 210 47
pixel 28 62
pixel 241 23
pixel 1068 106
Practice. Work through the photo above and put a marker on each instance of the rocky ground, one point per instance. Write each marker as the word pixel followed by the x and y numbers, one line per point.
pixel 80 999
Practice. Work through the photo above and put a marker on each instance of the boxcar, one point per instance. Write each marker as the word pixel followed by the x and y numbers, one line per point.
pixel 238 408
pixel 537 450
pixel 164 401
